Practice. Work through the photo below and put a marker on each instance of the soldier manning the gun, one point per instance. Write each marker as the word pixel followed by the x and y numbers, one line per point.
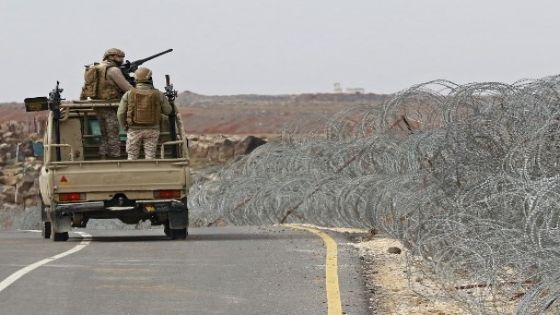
pixel 140 113
pixel 105 81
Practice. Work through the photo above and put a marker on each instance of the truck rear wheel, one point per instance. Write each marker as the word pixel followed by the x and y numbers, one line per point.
pixel 46 230
pixel 60 237
pixel 178 234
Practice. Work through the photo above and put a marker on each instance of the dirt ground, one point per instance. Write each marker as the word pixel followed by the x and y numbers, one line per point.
pixel 386 275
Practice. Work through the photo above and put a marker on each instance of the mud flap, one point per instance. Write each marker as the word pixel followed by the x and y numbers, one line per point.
pixel 178 215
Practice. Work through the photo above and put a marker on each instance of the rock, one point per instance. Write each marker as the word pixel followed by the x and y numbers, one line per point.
pixel 213 153
pixel 247 145
pixel 23 187
pixel 27 182
pixel 8 180
pixel 10 194
pixel 218 222
pixel 198 150
pixel 394 250
pixel 221 148
pixel 28 202
pixel 226 150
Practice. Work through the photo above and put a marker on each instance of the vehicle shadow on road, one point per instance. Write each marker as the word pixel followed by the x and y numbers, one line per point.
pixel 124 238
pixel 199 237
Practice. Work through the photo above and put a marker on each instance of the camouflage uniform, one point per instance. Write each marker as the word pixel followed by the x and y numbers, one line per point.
pixel 109 125
pixel 112 85
pixel 138 136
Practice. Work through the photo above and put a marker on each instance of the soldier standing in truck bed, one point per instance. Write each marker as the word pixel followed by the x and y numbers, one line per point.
pixel 140 114
pixel 105 81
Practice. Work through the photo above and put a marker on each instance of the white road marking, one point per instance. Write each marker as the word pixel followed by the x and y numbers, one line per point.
pixel 37 231
pixel 86 239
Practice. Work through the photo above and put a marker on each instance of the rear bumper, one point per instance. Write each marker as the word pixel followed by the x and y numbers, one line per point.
pixel 169 211
pixel 80 207
pixel 146 206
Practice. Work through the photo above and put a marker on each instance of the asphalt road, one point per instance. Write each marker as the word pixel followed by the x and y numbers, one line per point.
pixel 227 270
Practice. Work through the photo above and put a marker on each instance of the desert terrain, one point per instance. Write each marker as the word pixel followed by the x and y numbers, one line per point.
pixel 244 114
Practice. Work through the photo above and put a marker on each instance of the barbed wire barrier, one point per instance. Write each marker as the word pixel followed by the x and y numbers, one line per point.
pixel 467 177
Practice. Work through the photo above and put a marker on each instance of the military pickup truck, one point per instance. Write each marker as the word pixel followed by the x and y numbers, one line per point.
pixel 76 184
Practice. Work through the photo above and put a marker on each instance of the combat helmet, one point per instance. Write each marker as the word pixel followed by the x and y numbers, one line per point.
pixel 111 52
pixel 143 74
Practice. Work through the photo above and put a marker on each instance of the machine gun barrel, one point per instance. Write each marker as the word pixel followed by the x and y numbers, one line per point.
pixel 141 61
pixel 129 67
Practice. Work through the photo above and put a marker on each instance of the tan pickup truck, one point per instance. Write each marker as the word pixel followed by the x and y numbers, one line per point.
pixel 77 185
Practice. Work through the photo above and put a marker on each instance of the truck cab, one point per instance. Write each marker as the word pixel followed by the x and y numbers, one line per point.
pixel 77 184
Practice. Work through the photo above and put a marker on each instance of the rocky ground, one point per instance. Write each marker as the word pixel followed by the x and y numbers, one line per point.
pixel 18 172
pixel 219 148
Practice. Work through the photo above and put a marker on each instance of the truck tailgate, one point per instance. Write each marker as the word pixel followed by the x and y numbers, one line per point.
pixel 118 176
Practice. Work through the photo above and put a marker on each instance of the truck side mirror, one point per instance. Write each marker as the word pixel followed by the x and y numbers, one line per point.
pixel 36 104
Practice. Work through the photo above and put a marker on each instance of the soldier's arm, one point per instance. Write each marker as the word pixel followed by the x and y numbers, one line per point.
pixel 115 74
pixel 165 107
pixel 121 112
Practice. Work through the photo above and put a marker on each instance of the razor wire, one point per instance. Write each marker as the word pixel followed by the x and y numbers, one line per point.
pixel 467 177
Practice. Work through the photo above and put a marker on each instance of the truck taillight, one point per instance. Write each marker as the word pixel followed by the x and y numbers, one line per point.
pixel 167 194
pixel 71 196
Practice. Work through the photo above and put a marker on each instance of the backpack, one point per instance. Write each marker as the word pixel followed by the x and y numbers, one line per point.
pixel 96 84
pixel 144 107
pixel 91 82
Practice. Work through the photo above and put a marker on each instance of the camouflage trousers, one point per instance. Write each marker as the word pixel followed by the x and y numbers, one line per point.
pixel 109 125
pixel 138 138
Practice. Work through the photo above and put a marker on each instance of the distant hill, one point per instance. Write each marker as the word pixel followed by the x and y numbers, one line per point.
pixel 244 114
pixel 188 98
pixel 265 114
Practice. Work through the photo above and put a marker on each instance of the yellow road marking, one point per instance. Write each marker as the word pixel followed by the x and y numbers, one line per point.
pixel 334 305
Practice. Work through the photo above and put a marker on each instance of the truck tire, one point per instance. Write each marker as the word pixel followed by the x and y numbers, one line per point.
pixel 178 234
pixel 46 230
pixel 166 229
pixel 60 237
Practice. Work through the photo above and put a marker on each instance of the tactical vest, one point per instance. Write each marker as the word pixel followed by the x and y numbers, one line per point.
pixel 144 107
pixel 97 85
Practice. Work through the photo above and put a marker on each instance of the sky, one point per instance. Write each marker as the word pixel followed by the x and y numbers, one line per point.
pixel 279 46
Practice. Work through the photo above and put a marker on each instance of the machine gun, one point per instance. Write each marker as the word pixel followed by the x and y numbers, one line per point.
pixel 52 103
pixel 171 94
pixel 128 67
